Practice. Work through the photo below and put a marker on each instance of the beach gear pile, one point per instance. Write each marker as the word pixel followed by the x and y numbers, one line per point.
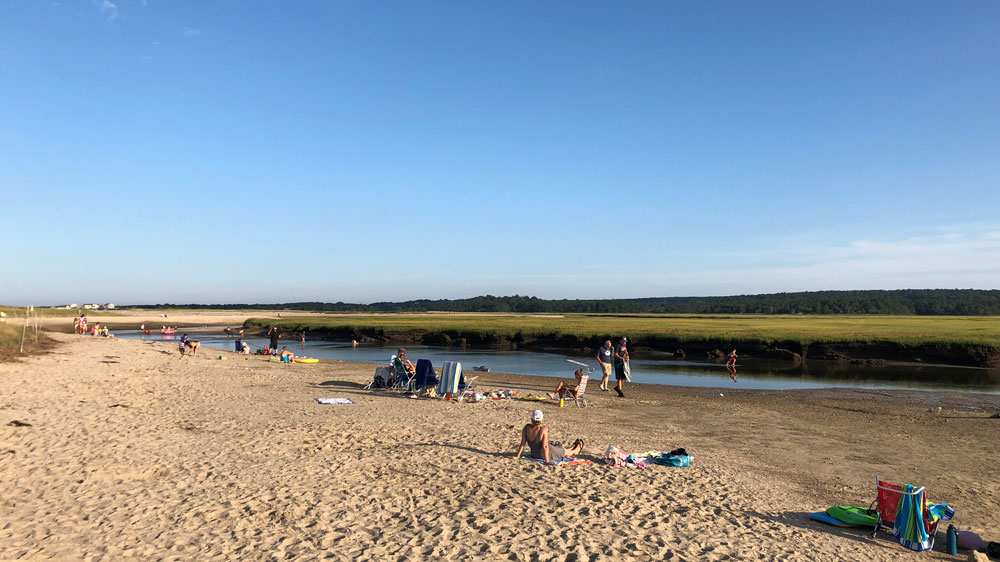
pixel 676 458
pixel 903 510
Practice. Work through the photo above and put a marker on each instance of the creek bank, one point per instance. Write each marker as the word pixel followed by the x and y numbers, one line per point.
pixel 873 353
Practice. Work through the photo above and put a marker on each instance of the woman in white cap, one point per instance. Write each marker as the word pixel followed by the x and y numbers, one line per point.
pixel 536 436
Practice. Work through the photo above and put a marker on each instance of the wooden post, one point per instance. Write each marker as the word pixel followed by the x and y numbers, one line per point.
pixel 25 329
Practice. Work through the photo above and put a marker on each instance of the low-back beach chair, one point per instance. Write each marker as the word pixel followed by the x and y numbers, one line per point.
pixel 381 377
pixel 451 374
pixel 466 388
pixel 575 393
pixel 425 375
pixel 904 511
pixel 401 378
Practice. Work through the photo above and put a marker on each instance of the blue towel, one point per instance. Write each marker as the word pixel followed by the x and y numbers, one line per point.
pixel 909 525
pixel 425 374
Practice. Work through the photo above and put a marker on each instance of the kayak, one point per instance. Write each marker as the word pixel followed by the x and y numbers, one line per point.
pixel 306 360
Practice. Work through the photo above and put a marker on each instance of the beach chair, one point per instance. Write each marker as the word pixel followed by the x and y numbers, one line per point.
pixel 425 377
pixel 466 388
pixel 451 375
pixel 380 379
pixel 575 393
pixel 905 512
pixel 401 378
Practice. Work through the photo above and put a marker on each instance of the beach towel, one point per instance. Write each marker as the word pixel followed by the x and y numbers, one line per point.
pixel 334 401
pixel 451 373
pixel 909 524
pixel 561 462
pixel 675 458
pixel 425 374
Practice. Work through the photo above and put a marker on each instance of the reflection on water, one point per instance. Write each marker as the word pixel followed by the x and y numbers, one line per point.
pixel 653 368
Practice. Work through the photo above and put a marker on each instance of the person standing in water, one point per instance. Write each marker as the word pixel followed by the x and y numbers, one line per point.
pixel 732 359
pixel 621 359
pixel 303 340
pixel 273 334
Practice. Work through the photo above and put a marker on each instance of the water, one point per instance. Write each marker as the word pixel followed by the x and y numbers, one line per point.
pixel 649 368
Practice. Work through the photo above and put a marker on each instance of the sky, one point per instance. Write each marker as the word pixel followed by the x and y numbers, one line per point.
pixel 171 151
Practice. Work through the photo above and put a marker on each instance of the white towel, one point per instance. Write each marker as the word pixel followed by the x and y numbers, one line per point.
pixel 334 401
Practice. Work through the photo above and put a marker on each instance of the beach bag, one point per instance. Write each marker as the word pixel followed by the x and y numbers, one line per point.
pixel 676 458
pixel 381 379
pixel 615 456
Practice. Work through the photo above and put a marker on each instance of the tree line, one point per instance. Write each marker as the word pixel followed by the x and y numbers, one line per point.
pixel 920 302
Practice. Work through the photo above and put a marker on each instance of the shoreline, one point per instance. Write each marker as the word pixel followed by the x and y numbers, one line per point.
pixel 873 353
pixel 132 450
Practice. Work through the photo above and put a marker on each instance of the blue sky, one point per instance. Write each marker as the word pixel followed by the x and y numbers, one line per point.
pixel 230 151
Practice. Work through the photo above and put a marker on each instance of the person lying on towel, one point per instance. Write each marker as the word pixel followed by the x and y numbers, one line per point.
pixel 536 436
pixel 563 390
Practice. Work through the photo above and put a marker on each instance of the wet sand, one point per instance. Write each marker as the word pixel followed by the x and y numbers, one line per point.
pixel 135 452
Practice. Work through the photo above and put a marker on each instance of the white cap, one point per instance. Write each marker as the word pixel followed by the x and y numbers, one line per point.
pixel 537 415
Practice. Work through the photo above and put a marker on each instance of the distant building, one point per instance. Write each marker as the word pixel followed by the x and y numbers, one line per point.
pixel 91 306
pixel 109 306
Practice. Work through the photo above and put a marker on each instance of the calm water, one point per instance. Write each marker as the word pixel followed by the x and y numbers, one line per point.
pixel 764 375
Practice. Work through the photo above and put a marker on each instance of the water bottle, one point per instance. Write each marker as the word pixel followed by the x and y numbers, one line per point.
pixel 952 540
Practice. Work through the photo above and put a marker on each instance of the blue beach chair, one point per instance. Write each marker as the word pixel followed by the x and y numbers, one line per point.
pixel 425 375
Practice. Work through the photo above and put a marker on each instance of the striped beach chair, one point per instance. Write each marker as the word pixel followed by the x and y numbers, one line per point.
pixel 451 373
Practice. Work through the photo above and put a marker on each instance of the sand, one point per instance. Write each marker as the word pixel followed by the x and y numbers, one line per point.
pixel 134 452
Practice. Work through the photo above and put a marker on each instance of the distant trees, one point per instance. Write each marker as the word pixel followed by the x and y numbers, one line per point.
pixel 921 302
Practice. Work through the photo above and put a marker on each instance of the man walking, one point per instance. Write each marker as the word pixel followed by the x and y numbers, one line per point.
pixel 604 359
pixel 621 360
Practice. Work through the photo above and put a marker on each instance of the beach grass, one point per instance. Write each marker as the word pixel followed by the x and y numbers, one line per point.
pixel 10 339
pixel 805 329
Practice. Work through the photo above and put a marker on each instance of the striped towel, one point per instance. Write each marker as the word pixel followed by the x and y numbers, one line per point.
pixel 451 372
pixel 909 527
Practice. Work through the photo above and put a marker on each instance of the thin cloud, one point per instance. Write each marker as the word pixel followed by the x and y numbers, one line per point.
pixel 109 10
pixel 191 32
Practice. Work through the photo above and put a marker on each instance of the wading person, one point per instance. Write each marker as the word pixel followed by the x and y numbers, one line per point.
pixel 273 334
pixel 732 359
pixel 621 359
pixel 604 358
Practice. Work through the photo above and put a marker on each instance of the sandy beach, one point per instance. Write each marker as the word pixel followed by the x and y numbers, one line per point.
pixel 115 449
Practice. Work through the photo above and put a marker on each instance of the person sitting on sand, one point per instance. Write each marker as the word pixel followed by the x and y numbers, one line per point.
pixel 563 390
pixel 536 436
pixel 286 355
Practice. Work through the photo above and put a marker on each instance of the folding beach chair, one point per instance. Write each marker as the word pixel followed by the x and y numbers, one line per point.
pixel 425 375
pixel 401 378
pixel 577 393
pixel 451 374
pixel 904 511
pixel 380 380
pixel 466 388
